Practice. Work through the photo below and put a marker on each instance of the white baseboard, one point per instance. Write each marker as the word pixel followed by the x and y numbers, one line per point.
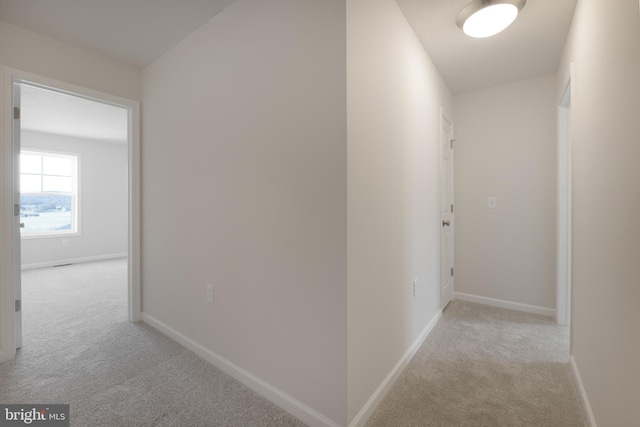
pixel 384 387
pixel 534 309
pixel 583 393
pixel 298 409
pixel 72 261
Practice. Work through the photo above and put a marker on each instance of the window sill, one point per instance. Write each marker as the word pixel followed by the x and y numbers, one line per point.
pixel 59 235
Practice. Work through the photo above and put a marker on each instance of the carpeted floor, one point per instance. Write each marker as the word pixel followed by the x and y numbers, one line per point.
pixel 485 366
pixel 80 349
pixel 481 366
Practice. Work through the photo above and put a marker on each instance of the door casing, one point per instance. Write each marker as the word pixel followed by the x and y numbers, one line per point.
pixel 17 264
pixel 446 212
pixel 564 223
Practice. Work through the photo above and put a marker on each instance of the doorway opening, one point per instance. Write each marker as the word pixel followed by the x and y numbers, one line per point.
pixel 73 189
pixel 73 205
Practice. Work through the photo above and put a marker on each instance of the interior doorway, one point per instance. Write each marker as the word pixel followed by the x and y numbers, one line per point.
pixel 57 227
pixel 72 175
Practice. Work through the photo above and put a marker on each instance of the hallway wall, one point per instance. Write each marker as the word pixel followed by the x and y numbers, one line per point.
pixel 393 106
pixel 506 148
pixel 604 48
pixel 244 172
pixel 32 52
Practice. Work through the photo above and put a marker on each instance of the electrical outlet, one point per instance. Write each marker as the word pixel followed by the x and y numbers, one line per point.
pixel 65 243
pixel 492 202
pixel 415 287
pixel 210 293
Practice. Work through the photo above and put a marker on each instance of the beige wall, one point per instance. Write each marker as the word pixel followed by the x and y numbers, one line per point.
pixel 506 148
pixel 604 47
pixel 28 51
pixel 244 172
pixel 394 100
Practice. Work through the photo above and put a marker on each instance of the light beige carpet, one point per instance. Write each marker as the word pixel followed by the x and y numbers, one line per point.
pixel 485 366
pixel 480 366
pixel 80 349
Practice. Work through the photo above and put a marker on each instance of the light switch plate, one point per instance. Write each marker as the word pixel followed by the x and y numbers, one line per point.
pixel 492 202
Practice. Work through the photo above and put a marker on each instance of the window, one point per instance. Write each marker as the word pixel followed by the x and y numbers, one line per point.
pixel 48 193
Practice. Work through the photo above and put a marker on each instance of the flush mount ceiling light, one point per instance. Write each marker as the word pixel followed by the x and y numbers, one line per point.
pixel 485 18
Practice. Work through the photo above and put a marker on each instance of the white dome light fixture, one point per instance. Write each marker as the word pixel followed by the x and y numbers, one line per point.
pixel 485 18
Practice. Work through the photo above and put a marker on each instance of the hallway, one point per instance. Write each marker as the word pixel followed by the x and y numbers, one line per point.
pixel 486 366
pixel 289 156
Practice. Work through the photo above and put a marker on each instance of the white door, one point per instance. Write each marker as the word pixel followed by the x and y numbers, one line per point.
pixel 17 267
pixel 446 213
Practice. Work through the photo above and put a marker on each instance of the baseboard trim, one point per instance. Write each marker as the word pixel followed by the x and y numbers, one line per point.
pixel 296 408
pixel 583 392
pixel 534 309
pixel 73 261
pixel 384 387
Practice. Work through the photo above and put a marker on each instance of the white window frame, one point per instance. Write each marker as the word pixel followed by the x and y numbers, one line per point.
pixel 75 196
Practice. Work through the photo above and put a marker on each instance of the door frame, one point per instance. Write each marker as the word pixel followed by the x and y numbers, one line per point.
pixel 444 116
pixel 16 98
pixel 564 205
pixel 7 229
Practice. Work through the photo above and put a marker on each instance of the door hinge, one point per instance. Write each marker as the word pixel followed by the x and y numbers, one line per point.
pixel 16 113
pixel 452 141
pixel 18 305
pixel 451 271
pixel 451 208
pixel 16 210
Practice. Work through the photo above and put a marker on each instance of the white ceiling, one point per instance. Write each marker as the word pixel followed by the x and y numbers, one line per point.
pixel 132 31
pixel 530 47
pixel 47 111
pixel 135 32
pixel 139 31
